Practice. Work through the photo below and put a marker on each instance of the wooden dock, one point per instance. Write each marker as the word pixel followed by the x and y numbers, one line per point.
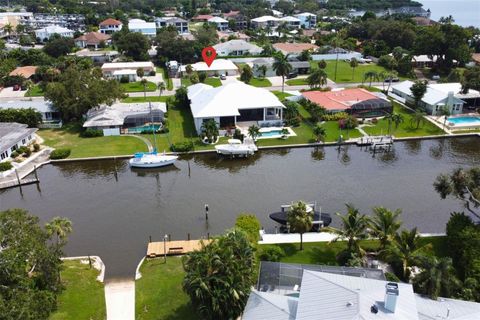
pixel 156 249
pixel 14 183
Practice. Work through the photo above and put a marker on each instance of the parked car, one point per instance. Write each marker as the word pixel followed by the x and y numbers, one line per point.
pixel 16 87
pixel 392 79
pixel 435 77
pixel 292 75
pixel 223 77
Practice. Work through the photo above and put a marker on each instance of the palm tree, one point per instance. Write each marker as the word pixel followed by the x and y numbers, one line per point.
pixel 210 129
pixel 397 118
pixel 384 225
pixel 445 112
pixel 406 249
pixel 189 69
pixel 437 277
pixel 263 70
pixel 418 117
pixel 161 87
pixel 253 132
pixel 319 132
pixel 317 78
pixel 336 43
pixel 59 227
pixel 299 220
pixel 389 117
pixel 353 65
pixel 354 229
pixel 370 75
pixel 144 82
pixel 282 67
pixel 8 28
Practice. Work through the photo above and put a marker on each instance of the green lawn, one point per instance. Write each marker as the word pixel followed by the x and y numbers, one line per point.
pixel 34 91
pixel 281 95
pixel 334 132
pixel 214 82
pixel 297 82
pixel 91 147
pixel 325 253
pixel 259 82
pixel 405 129
pixel 138 86
pixel 148 99
pixel 168 82
pixel 159 294
pixel 83 297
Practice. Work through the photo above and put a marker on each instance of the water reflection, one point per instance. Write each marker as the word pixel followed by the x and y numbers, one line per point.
pixel 413 146
pixel 386 157
pixel 232 165
pixel 318 153
pixel 154 172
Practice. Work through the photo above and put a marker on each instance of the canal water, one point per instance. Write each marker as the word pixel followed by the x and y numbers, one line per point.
pixel 114 214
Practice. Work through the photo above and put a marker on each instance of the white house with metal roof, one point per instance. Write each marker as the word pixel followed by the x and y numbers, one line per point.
pixel 232 103
pixel 117 70
pixel 45 33
pixel 47 110
pixel 291 22
pixel 218 66
pixel 220 23
pixel 148 29
pixel 237 48
pixel 14 135
pixel 307 20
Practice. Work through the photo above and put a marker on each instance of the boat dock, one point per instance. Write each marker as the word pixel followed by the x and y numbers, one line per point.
pixel 156 249
pixel 17 183
pixel 375 141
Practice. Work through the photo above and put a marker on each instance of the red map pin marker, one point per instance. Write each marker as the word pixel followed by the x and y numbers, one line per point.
pixel 209 54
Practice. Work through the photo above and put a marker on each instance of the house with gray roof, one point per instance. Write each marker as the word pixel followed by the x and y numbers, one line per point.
pixel 237 48
pixel 12 136
pixel 311 292
pixel 48 111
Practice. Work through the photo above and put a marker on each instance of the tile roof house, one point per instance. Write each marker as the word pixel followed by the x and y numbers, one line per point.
pixel 237 48
pixel 358 102
pixel 202 18
pixel 110 26
pixel 294 48
pixel 92 39
pixel 231 103
pixel 25 71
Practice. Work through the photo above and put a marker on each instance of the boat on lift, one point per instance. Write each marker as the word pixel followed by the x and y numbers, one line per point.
pixel 236 147
pixel 320 219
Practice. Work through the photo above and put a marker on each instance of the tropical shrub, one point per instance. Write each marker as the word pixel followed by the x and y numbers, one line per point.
pixel 391 277
pixel 250 224
pixel 4 166
pixel 182 146
pixel 22 150
pixel 91 133
pixel 29 116
pixel 36 147
pixel 202 76
pixel 27 153
pixel 273 254
pixel 14 154
pixel 152 73
pixel 238 135
pixel 60 154
pixel 349 122
pixel 334 116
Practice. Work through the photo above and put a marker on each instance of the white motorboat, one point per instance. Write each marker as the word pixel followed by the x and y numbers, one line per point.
pixel 151 160
pixel 237 148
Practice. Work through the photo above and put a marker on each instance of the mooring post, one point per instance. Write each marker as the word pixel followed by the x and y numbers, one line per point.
pixel 188 236
pixel 169 237
pixel 208 235
pixel 206 211
pixel 35 172
pixel 149 239
pixel 90 261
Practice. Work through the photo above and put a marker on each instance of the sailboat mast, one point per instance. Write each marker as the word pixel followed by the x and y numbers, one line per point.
pixel 153 127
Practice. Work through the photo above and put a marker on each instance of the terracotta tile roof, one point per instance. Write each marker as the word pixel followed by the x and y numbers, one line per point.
pixel 93 37
pixel 26 71
pixel 294 47
pixel 231 14
pixel 339 100
pixel 476 57
pixel 202 17
pixel 110 22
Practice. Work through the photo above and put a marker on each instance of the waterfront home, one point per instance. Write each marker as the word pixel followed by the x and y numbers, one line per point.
pixel 226 35
pixel 294 49
pixel 237 48
pixel 117 70
pixel 44 34
pixel 239 19
pixel 49 113
pixel 148 29
pixel 357 102
pixel 93 40
pixel 440 95
pixel 181 25
pixel 110 26
pixel 310 292
pixel 307 20
pixel 218 66
pixel 220 23
pixel 98 57
pixel 25 72
pixel 114 119
pixel 264 22
pixel 232 103
pixel 300 67
pixel 290 22
pixel 13 136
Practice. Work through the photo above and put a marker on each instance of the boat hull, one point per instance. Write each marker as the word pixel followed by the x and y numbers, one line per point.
pixel 152 162
pixel 325 218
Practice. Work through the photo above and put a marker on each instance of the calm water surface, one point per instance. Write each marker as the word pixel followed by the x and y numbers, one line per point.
pixel 113 215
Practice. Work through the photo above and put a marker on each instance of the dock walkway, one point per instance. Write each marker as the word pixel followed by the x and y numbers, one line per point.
pixel 156 249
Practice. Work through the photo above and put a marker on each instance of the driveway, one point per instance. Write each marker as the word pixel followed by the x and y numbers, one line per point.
pixel 9 93
pixel 120 300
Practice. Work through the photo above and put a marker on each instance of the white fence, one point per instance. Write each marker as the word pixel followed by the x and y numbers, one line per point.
pixel 333 56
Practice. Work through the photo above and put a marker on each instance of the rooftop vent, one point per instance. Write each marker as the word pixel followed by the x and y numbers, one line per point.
pixel 374 309
pixel 391 295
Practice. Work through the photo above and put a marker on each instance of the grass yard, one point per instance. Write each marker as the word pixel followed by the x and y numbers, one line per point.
pixel 214 82
pixel 138 86
pixel 83 297
pixel 159 294
pixel 334 132
pixel 259 82
pixel 405 129
pixel 35 91
pixel 281 95
pixel 325 253
pixel 297 82
pixel 91 147
pixel 168 82
pixel 142 99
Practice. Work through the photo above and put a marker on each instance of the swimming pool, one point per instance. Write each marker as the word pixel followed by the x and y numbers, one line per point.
pixel 272 133
pixel 144 128
pixel 464 120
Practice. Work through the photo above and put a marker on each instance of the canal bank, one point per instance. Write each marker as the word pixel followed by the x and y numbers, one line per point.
pixel 113 215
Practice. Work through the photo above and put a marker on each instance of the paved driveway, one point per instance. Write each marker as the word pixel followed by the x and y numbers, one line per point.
pixel 9 93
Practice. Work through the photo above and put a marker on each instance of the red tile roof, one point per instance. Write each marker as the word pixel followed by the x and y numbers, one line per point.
pixel 26 71
pixel 93 37
pixel 339 100
pixel 201 17
pixel 294 47
pixel 110 22
pixel 231 14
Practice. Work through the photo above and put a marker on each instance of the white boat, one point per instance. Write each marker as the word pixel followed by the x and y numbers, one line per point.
pixel 151 160
pixel 237 148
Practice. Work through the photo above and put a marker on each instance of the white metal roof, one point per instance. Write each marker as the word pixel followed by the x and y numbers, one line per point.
pixel 54 29
pixel 228 99
pixel 263 305
pixel 456 88
pixel 290 19
pixel 429 309
pixel 237 45
pixel 217 65
pixel 306 14
pixel 127 65
pixel 13 132
pixel 265 19
pixel 217 20
pixel 40 105
pixel 433 95
pixel 141 24
pixel 124 72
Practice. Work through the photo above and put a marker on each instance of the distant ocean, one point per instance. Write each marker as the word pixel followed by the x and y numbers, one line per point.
pixel 465 12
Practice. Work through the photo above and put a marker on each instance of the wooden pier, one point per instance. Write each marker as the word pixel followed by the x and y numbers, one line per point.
pixel 15 183
pixel 156 249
